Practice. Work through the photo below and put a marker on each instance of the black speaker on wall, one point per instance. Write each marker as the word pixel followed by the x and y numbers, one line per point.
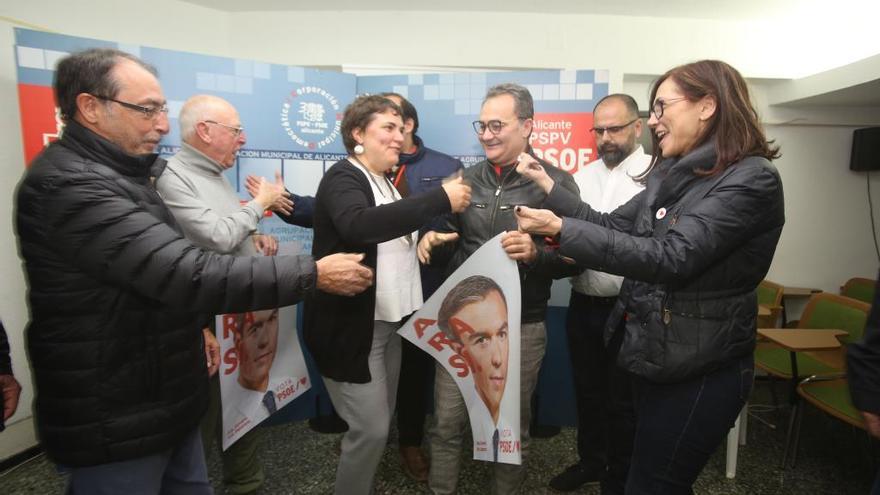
pixel 865 150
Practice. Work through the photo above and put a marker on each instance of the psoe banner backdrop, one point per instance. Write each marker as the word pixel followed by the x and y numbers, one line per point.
pixel 447 104
pixel 292 115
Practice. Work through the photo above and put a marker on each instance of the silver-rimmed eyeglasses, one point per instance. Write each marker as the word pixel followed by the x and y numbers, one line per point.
pixel 236 130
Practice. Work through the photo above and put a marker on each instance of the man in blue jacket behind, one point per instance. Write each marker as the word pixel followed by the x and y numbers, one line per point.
pixel 420 169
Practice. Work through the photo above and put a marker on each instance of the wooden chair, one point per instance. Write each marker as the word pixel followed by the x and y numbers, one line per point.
pixel 770 296
pixel 829 394
pixel 823 310
pixel 859 288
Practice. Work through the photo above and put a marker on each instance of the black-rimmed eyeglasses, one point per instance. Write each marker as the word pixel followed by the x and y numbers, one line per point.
pixel 660 105
pixel 494 126
pixel 236 131
pixel 613 129
pixel 150 112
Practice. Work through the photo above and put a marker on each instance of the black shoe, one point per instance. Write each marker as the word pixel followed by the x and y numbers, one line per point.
pixel 573 478
pixel 606 487
pixel 328 424
pixel 544 431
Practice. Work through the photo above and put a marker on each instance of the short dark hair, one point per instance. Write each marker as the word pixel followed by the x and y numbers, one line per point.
pixel 242 319
pixel 409 111
pixel 632 108
pixel 523 105
pixel 471 290
pixel 89 71
pixel 735 127
pixel 359 114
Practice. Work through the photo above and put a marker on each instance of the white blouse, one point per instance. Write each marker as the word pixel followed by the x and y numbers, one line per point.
pixel 398 281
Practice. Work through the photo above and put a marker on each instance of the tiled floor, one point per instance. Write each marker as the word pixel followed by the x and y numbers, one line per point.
pixel 833 459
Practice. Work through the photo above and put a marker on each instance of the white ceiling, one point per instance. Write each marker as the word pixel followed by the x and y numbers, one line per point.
pixel 696 9
pixel 860 95
pixel 853 93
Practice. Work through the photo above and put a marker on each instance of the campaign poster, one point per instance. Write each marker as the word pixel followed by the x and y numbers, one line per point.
pixel 262 369
pixel 471 326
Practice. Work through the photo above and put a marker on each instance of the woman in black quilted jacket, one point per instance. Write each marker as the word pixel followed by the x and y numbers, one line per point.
pixel 692 247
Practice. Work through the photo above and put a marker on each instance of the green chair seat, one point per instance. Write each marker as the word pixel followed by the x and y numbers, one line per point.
pixel 777 362
pixel 859 288
pixel 833 398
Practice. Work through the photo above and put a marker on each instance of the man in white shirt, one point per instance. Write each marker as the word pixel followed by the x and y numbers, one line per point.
pixel 602 391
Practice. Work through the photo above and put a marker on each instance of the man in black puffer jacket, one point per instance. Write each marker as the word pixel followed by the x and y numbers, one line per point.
pixel 118 297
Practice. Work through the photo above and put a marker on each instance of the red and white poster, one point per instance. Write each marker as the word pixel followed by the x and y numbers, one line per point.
pixel 262 367
pixel 471 325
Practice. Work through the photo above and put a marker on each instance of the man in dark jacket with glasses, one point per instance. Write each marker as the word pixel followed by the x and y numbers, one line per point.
pixel 505 124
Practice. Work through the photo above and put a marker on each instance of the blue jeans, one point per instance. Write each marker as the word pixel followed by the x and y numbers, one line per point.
pixel 680 425
pixel 180 470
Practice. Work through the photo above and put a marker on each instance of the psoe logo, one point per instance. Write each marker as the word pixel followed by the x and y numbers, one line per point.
pixel 311 117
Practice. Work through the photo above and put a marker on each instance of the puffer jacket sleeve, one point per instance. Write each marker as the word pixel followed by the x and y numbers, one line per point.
pixel 564 202
pixel 748 202
pixel 548 259
pixel 100 228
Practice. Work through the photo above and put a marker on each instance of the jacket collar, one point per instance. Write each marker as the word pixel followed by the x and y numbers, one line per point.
pixel 677 174
pixel 411 158
pixel 88 144
pixel 509 175
pixel 198 161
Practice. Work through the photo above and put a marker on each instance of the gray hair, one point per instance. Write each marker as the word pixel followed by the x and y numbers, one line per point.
pixel 523 106
pixel 195 110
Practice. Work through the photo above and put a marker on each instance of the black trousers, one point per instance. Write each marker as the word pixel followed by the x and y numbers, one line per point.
pixel 603 392
pixel 414 391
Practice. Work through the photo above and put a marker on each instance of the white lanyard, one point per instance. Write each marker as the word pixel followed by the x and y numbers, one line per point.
pixel 407 239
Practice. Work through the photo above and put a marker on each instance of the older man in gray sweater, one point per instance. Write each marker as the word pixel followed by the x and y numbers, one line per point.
pixel 209 213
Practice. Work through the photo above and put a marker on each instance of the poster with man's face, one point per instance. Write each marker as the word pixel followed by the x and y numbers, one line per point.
pixel 471 326
pixel 262 367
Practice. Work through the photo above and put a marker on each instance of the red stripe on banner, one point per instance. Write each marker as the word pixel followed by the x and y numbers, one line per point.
pixel 564 139
pixel 39 124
